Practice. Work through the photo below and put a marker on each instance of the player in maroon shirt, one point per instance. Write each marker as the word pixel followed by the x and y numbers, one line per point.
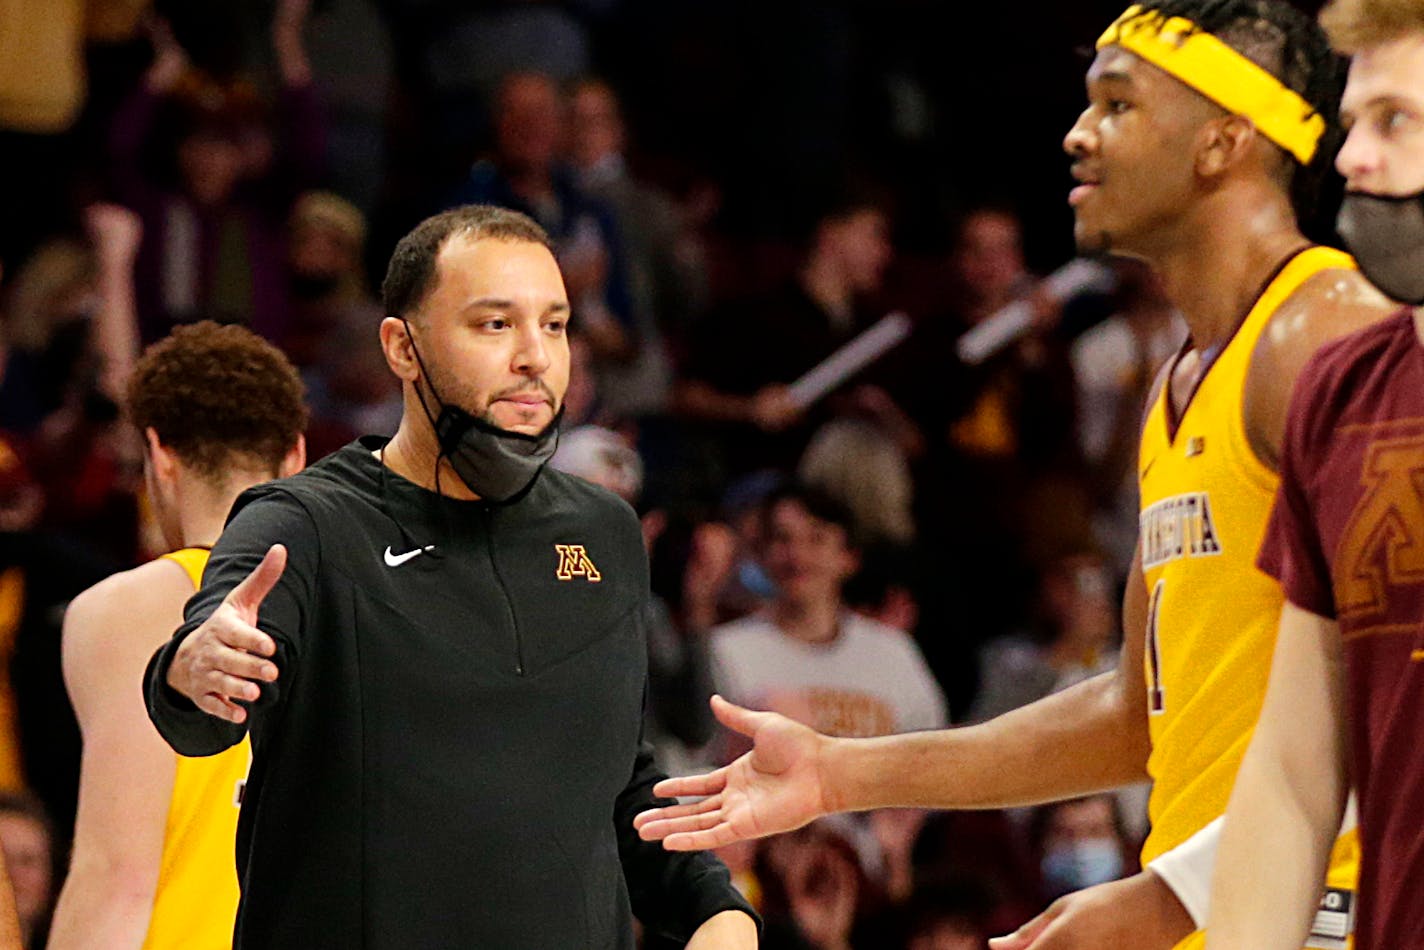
pixel 1346 541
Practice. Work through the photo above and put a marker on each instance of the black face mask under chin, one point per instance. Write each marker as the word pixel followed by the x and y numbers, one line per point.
pixel 494 463
pixel 1386 236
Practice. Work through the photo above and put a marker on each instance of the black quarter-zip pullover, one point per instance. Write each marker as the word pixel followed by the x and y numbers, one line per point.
pixel 452 753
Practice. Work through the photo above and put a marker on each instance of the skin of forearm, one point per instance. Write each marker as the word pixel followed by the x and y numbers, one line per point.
pixel 1285 808
pixel 101 908
pixel 1085 739
pixel 1294 818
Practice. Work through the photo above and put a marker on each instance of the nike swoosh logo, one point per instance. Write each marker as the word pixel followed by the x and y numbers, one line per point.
pixel 396 560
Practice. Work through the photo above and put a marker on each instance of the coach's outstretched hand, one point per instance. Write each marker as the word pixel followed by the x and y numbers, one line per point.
pixel 778 786
pixel 223 659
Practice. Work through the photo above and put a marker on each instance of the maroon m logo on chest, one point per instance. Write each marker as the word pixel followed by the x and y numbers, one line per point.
pixel 1383 542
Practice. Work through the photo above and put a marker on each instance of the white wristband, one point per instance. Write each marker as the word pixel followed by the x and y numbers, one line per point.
pixel 1187 870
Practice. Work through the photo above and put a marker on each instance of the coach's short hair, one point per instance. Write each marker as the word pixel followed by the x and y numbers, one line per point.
pixel 1355 24
pixel 218 396
pixel 412 269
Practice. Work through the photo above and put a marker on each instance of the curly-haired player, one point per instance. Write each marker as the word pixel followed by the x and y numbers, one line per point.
pixel 220 410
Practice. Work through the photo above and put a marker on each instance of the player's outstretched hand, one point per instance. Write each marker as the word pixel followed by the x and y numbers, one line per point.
pixel 223 660
pixel 778 786
pixel 1139 912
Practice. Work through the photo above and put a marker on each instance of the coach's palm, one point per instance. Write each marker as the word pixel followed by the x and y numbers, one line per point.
pixel 777 786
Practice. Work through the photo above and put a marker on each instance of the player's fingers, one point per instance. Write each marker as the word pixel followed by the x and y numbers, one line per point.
pixel 700 840
pixel 1014 941
pixel 677 811
pixel 738 718
pixel 659 829
pixel 1022 938
pixel 710 784
pixel 247 595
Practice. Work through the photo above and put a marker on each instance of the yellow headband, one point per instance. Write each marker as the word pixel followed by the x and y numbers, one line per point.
pixel 1223 75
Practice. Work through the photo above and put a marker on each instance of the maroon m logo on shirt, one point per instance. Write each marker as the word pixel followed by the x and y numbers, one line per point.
pixel 1383 542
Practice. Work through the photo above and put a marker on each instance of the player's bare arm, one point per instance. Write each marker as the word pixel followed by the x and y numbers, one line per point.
pixel 1085 739
pixel 224 659
pixel 1289 795
pixel 126 773
pixel 1326 307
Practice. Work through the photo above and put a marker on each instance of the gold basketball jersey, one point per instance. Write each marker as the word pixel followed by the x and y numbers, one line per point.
pixel 195 905
pixel 1212 615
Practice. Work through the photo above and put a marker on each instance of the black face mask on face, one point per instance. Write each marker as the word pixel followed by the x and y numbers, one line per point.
pixel 1386 235
pixel 494 463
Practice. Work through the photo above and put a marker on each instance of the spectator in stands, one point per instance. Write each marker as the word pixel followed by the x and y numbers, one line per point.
pixel 1074 637
pixel 743 509
pixel 351 50
pixel 42 323
pixel 42 92
pixel 349 389
pixel 664 267
pixel 67 492
pixel 27 838
pixel 999 475
pixel 326 275
pixel 1012 408
pixel 815 888
pixel 945 917
pixel 737 382
pixel 806 655
pixel 454 56
pixel 1080 843
pixel 984 853
pixel 895 832
pixel 527 173
pixel 71 339
pixel 1114 365
pixel 863 467
pixel 884 587
pixel 215 218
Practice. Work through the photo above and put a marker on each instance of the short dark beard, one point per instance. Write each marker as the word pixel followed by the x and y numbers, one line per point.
pixel 538 384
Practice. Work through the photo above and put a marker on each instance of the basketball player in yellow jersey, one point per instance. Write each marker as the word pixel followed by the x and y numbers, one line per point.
pixel 154 858
pixel 1203 116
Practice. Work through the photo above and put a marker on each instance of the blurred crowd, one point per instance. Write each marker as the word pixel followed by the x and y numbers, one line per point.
pixel 938 540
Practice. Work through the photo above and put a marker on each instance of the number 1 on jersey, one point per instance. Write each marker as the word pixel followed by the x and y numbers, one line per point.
pixel 1156 703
